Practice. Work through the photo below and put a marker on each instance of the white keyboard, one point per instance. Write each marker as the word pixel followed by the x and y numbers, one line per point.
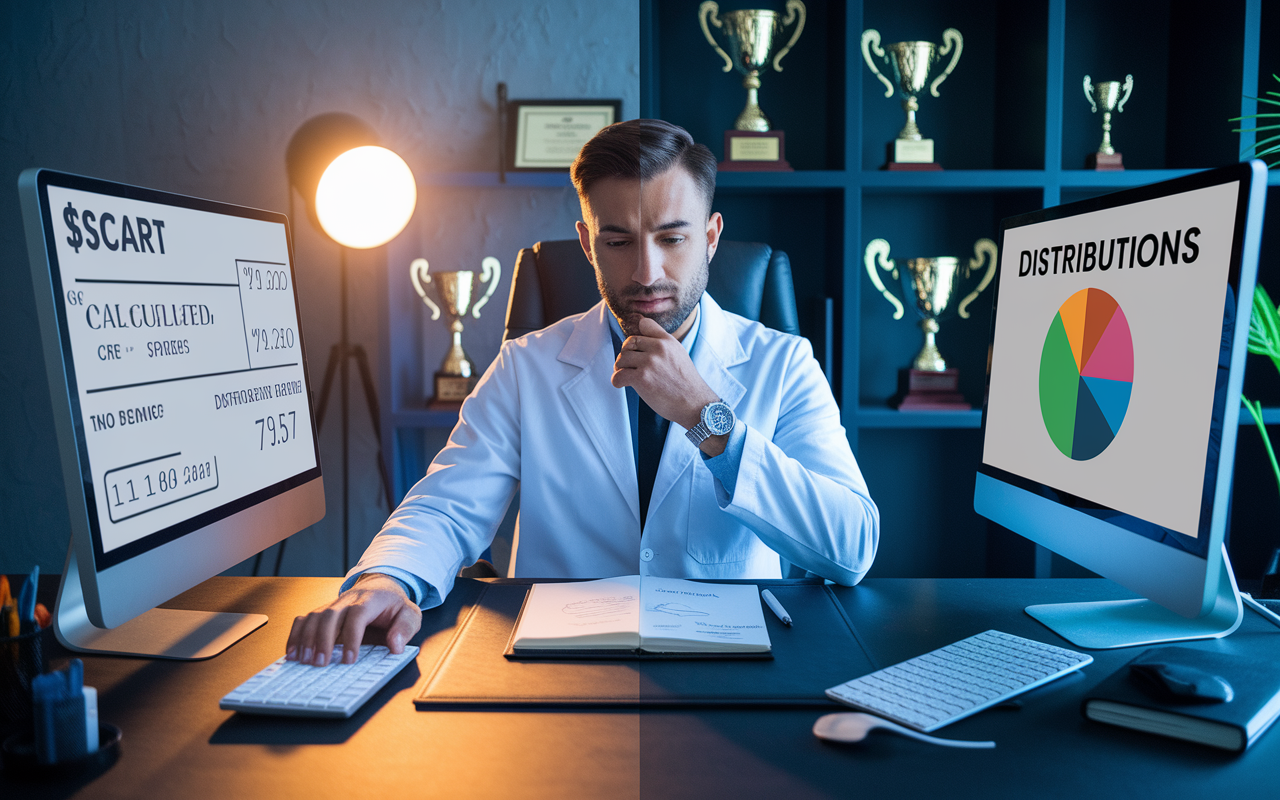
pixel 952 682
pixel 293 689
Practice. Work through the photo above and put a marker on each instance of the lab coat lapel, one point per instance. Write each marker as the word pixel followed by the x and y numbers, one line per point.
pixel 600 408
pixel 716 349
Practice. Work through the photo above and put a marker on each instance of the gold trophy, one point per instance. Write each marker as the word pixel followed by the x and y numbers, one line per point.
pixel 752 37
pixel 931 285
pixel 912 63
pixel 457 376
pixel 1105 95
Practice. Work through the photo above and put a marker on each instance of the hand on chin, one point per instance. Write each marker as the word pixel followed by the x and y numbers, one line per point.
pixel 639 309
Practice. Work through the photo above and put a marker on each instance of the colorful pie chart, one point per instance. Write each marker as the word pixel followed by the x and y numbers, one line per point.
pixel 1086 374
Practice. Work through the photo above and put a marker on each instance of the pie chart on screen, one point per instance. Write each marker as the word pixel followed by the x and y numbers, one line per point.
pixel 1086 374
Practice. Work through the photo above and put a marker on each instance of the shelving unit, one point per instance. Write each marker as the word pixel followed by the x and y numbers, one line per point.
pixel 1012 129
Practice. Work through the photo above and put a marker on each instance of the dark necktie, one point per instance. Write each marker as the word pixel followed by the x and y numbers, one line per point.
pixel 648 435
pixel 651 432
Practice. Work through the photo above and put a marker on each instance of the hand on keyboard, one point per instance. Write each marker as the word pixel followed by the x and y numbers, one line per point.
pixel 376 602
pixel 291 688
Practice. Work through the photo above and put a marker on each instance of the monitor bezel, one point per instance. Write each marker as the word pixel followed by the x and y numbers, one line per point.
pixel 105 560
pixel 1007 498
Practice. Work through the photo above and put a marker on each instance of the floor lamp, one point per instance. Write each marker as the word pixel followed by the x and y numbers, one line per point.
pixel 362 196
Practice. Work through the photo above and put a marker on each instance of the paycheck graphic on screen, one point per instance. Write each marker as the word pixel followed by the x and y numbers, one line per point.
pixel 1129 303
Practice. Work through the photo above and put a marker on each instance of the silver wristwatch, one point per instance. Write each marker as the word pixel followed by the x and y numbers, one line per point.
pixel 717 420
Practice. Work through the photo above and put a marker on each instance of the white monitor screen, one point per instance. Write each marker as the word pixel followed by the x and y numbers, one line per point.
pixel 183 354
pixel 1108 362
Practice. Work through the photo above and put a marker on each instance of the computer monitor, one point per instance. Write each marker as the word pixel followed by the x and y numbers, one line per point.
pixel 177 374
pixel 1119 338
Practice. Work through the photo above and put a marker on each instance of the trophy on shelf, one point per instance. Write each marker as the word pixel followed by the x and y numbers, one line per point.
pixel 457 376
pixel 932 285
pixel 912 63
pixel 752 36
pixel 1105 95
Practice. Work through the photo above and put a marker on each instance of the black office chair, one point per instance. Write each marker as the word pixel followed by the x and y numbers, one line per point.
pixel 553 280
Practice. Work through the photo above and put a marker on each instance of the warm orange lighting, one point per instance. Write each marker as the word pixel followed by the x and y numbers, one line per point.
pixel 366 197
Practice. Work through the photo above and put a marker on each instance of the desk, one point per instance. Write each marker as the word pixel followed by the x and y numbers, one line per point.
pixel 177 743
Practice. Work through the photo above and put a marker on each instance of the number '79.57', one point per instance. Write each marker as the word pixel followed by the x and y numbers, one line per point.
pixel 282 428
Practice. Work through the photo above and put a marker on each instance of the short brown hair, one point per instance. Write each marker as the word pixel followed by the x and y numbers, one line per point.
pixel 643 149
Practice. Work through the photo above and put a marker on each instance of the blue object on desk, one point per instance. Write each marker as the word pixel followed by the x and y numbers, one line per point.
pixel 58 704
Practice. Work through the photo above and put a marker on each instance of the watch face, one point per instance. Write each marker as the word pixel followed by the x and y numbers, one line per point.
pixel 718 418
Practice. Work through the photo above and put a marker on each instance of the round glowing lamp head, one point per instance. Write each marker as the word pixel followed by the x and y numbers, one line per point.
pixel 365 197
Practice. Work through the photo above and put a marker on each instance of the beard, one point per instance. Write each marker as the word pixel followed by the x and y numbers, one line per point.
pixel 686 300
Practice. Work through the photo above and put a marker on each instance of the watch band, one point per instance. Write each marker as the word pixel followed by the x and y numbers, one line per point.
pixel 698 433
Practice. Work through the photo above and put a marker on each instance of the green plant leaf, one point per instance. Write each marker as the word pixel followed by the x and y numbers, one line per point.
pixel 1255 411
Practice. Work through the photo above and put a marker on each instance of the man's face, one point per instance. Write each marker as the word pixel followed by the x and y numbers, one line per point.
pixel 651 243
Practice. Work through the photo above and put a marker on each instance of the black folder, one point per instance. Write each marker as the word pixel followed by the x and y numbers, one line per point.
pixel 820 650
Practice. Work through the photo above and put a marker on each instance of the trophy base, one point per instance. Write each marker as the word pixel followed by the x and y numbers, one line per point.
pixel 910 155
pixel 755 151
pixel 451 390
pixel 930 391
pixel 1103 162
pixel 900 166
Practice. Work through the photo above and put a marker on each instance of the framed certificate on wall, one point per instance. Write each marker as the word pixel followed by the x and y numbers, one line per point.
pixel 546 135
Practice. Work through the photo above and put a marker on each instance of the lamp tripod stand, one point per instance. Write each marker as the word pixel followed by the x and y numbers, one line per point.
pixel 340 356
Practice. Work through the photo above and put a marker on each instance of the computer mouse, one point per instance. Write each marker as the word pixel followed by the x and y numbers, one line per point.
pixel 1180 683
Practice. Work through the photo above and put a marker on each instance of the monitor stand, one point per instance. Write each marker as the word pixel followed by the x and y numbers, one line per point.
pixel 1106 625
pixel 158 633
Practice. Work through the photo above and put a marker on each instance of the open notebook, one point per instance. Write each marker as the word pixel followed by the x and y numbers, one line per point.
pixel 641 615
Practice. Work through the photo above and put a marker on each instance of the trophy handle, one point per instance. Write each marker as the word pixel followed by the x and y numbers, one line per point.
pixel 1128 89
pixel 488 265
pixel 793 7
pixel 983 250
pixel 1088 94
pixel 710 7
pixel 421 264
pixel 878 251
pixel 950 37
pixel 871 44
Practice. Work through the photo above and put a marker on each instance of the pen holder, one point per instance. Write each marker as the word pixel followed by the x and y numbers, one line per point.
pixel 21 660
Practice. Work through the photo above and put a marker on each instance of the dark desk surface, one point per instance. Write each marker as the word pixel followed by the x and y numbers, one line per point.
pixel 177 743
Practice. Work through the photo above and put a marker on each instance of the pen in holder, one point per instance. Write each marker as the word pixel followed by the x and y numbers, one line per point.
pixel 21 660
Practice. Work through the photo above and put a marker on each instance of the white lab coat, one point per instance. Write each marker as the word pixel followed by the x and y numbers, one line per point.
pixel 545 418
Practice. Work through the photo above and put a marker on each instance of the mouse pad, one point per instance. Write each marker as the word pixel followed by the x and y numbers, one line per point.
pixel 821 649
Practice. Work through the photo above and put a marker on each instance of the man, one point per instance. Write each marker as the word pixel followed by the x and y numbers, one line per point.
pixel 755 480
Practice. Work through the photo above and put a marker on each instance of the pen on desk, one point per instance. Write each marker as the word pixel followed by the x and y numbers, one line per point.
pixel 1266 613
pixel 776 607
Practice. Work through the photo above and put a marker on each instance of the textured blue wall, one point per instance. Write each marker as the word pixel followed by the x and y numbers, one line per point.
pixel 202 98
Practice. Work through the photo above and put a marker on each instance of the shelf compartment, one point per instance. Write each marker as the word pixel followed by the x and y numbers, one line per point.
pixel 805 100
pixel 927 225
pixel 1177 115
pixel 990 112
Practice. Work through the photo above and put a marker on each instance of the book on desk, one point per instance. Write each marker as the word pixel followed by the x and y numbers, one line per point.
pixel 1254 699
pixel 631 615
